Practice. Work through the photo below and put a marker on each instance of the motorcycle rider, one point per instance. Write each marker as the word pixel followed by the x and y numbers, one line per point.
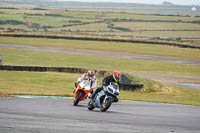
pixel 115 77
pixel 90 76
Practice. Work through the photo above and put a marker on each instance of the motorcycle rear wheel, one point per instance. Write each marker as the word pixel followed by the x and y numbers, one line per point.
pixel 90 105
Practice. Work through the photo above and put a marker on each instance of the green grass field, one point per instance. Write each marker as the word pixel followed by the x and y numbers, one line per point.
pixel 113 47
pixel 148 17
pixel 137 26
pixel 28 57
pixel 94 23
pixel 62 84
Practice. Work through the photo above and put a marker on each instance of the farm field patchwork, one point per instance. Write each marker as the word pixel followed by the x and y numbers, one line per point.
pixel 99 24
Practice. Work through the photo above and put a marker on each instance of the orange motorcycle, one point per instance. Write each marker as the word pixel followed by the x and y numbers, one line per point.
pixel 81 91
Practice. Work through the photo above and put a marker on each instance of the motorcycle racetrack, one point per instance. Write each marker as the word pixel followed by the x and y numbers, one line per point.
pixel 190 85
pixel 48 115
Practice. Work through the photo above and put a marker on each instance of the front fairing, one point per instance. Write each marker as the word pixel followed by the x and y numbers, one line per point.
pixel 83 86
pixel 112 89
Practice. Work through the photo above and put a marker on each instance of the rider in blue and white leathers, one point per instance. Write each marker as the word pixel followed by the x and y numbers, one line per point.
pixel 115 77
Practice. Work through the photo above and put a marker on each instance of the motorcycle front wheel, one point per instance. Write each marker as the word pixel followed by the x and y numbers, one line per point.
pixel 106 104
pixel 79 96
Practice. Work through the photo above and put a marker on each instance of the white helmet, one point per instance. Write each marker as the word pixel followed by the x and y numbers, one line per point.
pixel 91 73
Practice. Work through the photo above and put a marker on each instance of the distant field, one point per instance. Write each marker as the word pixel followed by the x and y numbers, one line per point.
pixel 139 9
pixel 163 9
pixel 149 17
pixel 158 26
pixel 100 24
pixel 115 47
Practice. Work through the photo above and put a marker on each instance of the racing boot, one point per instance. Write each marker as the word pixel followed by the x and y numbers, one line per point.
pixel 92 96
pixel 116 100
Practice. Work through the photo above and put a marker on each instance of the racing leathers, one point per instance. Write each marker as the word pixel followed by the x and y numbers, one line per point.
pixel 106 81
pixel 92 80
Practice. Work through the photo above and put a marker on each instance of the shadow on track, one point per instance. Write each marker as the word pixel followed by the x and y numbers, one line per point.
pixel 95 110
pixel 80 106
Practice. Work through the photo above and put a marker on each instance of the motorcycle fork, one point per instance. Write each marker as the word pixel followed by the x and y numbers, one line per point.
pixel 105 99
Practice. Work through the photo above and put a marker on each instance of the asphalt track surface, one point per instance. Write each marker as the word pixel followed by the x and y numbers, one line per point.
pixel 100 54
pixel 51 115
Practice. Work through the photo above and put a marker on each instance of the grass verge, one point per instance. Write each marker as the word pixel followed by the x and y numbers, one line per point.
pixel 62 84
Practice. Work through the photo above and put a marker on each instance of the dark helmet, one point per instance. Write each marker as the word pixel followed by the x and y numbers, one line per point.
pixel 116 76
pixel 91 73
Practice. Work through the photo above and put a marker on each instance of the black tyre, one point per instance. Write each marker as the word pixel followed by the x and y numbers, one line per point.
pixel 90 105
pixel 79 96
pixel 106 104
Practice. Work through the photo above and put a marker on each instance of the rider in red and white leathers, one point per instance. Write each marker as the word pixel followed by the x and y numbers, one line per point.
pixel 90 76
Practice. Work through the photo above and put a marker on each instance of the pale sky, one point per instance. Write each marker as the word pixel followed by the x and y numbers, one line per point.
pixel 179 2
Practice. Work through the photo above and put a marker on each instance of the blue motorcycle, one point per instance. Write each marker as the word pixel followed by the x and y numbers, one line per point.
pixel 105 97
